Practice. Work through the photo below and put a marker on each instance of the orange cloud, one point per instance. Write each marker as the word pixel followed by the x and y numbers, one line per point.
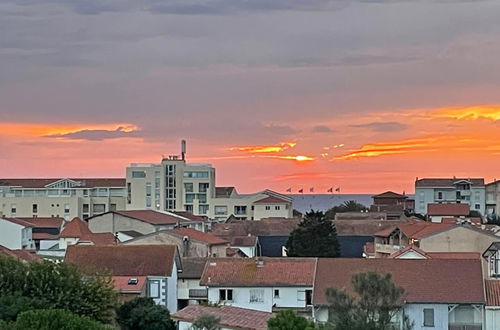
pixel 38 130
pixel 491 112
pixel 265 149
pixel 299 158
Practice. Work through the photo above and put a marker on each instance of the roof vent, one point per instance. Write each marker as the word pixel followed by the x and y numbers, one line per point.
pixel 133 281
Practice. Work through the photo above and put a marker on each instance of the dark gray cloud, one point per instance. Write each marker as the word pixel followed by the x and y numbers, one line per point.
pixel 388 126
pixel 321 129
pixel 96 134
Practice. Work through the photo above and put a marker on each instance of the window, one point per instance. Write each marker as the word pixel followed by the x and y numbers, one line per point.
pixel 188 187
pixel 428 317
pixel 202 198
pixel 35 208
pixel 203 187
pixel 477 206
pixel 190 198
pixel 268 208
pixel 440 195
pixel 196 174
pixel 129 192
pixel 309 294
pixel 256 295
pixel 112 207
pixel 148 194
pixel 240 209
pixel 188 208
pixel 85 208
pixel 138 174
pixel 13 209
pixel 495 264
pixel 154 288
pixel 66 208
pixel 225 295
pixel 276 293
pixel 220 210
pixel 203 208
pixel 277 207
pixel 99 208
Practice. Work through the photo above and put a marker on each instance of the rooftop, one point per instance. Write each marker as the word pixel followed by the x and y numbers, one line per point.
pixel 85 182
pixel 25 255
pixel 78 228
pixel 271 200
pixel 390 194
pixel 123 284
pixel 448 209
pixel 262 272
pixel 244 241
pixel 154 217
pixel 192 268
pixel 19 222
pixel 197 235
pixel 263 227
pixel 446 182
pixel 44 222
pixel 492 288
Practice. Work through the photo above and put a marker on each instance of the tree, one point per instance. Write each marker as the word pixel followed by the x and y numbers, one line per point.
pixel 206 322
pixel 347 206
pixel 56 286
pixel 315 236
pixel 288 320
pixel 50 319
pixel 378 300
pixel 11 305
pixel 144 314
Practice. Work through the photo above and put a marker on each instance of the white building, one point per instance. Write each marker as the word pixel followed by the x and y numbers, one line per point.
pixel 175 185
pixel 265 284
pixel 67 198
pixel 16 234
pixel 449 190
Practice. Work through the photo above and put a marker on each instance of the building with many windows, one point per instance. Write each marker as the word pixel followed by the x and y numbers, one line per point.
pixel 67 198
pixel 449 190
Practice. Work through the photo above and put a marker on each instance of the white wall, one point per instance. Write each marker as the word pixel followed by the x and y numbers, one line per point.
pixel 172 290
pixel 492 318
pixel 415 312
pixel 11 236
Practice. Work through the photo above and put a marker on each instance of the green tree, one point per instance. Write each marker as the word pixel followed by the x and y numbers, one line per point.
pixel 144 314
pixel 315 236
pixel 347 206
pixel 50 319
pixel 11 305
pixel 206 322
pixel 288 320
pixel 378 300
pixel 56 286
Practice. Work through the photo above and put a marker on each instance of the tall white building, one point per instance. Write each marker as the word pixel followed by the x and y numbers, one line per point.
pixel 66 198
pixel 449 190
pixel 175 185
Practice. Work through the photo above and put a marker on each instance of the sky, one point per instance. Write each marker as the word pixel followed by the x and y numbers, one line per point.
pixel 365 95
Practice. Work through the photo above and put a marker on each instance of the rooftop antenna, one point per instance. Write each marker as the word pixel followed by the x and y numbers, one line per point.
pixel 183 149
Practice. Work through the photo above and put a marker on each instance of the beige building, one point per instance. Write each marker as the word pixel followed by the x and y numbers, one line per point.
pixel 175 185
pixel 492 200
pixel 67 198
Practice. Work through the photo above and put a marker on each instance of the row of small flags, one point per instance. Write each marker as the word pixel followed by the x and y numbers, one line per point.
pixel 301 190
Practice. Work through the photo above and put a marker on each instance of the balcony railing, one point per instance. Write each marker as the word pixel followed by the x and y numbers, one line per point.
pixel 198 293
pixel 387 248
pixel 472 326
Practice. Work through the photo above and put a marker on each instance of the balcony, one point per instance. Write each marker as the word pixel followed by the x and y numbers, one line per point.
pixel 472 326
pixel 387 248
pixel 198 293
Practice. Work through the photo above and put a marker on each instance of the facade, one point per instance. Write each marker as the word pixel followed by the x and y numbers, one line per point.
pixel 158 263
pixel 175 185
pixel 431 299
pixel 264 284
pixel 190 242
pixel 66 198
pixel 492 200
pixel 437 212
pixel 16 234
pixel 392 203
pixel 450 190
pixel 189 290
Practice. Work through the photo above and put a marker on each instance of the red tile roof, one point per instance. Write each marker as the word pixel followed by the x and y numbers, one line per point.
pixel 192 268
pixel 366 227
pixel 121 283
pixel 153 217
pixel 25 255
pixel 229 316
pixel 264 227
pixel 369 248
pixel 389 194
pixel 446 182
pixel 424 281
pixel 41 183
pixel 271 200
pixel 19 222
pixel 198 236
pixel 191 216
pixel 125 260
pixel 45 236
pixel 454 255
pixel 492 288
pixel 448 209
pixel 416 230
pixel 244 241
pixel 47 222
pixel 247 272
pixel 77 228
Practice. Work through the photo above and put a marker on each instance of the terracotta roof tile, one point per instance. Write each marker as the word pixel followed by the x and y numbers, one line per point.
pixel 424 281
pixel 77 228
pixel 44 222
pixel 446 182
pixel 19 222
pixel 389 194
pixel 192 267
pixel 416 230
pixel 229 316
pixel 448 209
pixel 198 236
pixel 45 236
pixel 125 260
pixel 121 283
pixel 247 272
pixel 492 288
pixel 244 241
pixel 264 227
pixel 271 200
pixel 25 255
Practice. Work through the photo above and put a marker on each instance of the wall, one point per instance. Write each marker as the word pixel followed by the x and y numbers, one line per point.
pixel 112 223
pixel 459 239
pixel 260 212
pixel 415 313
pixel 492 318
pixel 184 285
pixel 172 290
pixel 11 235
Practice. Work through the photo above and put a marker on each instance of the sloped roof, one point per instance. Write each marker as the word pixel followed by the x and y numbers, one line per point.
pixel 389 194
pixel 78 228
pixel 192 268
pixel 424 281
pixel 45 236
pixel 221 192
pixel 446 182
pixel 190 216
pixel 41 183
pixel 198 236
pixel 492 288
pixel 366 227
pixel 44 222
pixel 19 222
pixel 25 255
pixel 244 241
pixel 449 209
pixel 152 217
pixel 271 200
pixel 125 260
pixel 121 284
pixel 229 316
pixel 416 230
pixel 247 272
pixel 263 227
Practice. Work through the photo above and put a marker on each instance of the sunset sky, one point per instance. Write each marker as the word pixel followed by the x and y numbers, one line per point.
pixel 365 95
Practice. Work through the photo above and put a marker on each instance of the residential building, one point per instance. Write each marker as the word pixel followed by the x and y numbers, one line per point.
pixel 413 252
pixel 230 318
pixel 175 185
pixel 16 234
pixel 190 242
pixel 492 200
pixel 434 289
pixel 143 221
pixel 436 212
pixel 248 245
pixel 492 308
pixel 158 263
pixel 189 290
pixel 63 197
pixel 450 190
pixel 265 284
pixel 130 287
pixel 45 231
pixel 393 204
pixel 77 232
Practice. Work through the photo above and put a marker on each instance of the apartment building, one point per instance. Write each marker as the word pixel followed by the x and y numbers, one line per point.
pixel 450 190
pixel 492 200
pixel 175 185
pixel 63 197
